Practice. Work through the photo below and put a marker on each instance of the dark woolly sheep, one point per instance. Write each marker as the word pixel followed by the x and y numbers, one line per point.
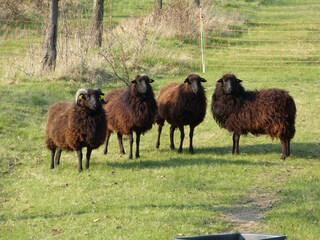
pixel 72 126
pixel 180 105
pixel 129 110
pixel 269 111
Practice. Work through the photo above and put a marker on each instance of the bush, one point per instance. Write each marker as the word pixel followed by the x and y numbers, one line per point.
pixel 23 9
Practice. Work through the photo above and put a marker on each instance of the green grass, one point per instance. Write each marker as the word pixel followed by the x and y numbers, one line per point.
pixel 277 39
pixel 163 194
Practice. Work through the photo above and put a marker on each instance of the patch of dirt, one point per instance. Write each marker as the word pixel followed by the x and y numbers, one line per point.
pixel 247 215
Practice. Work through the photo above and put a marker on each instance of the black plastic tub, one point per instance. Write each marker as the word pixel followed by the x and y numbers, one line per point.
pixel 236 236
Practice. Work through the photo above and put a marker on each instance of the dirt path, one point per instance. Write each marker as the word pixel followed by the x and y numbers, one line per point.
pixel 247 215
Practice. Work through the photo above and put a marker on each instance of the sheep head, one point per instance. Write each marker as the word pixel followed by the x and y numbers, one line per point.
pixel 90 99
pixel 142 83
pixel 194 81
pixel 230 84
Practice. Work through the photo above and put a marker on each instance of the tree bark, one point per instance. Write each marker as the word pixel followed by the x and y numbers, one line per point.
pixel 98 21
pixel 50 57
pixel 159 4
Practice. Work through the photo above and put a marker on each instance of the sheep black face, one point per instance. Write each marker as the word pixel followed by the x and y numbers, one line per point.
pixel 230 83
pixel 90 99
pixel 143 84
pixel 195 81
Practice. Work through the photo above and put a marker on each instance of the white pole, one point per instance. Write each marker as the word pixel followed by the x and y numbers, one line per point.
pixel 202 42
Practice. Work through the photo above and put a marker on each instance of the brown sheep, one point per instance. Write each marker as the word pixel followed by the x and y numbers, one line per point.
pixel 180 105
pixel 129 110
pixel 269 111
pixel 72 126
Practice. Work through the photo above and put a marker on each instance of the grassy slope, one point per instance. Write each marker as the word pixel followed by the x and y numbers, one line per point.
pixel 163 194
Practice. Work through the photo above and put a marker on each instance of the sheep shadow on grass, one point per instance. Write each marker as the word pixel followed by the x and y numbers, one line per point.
pixel 310 150
pixel 182 161
pixel 299 150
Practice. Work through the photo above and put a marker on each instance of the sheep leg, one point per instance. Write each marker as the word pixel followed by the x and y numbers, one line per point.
pixel 159 134
pixel 285 143
pixel 235 148
pixel 130 143
pixel 137 144
pixel 53 152
pixel 107 141
pixel 181 128
pixel 120 143
pixel 57 158
pixel 172 128
pixel 288 148
pixel 79 152
pixel 89 150
pixel 191 138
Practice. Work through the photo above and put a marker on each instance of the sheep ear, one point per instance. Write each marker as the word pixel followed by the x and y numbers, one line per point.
pixel 80 99
pixel 80 95
pixel 220 80
pixel 187 80
pixel 151 80
pixel 203 80
pixel 102 97
pixel 103 101
pixel 136 78
pixel 239 80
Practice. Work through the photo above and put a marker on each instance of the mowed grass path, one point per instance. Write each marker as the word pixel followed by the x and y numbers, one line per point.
pixel 163 194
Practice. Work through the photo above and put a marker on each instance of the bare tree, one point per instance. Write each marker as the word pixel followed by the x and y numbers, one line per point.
pixel 50 57
pixel 98 21
pixel 157 11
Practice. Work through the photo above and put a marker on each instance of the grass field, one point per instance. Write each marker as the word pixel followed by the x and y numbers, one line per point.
pixel 164 194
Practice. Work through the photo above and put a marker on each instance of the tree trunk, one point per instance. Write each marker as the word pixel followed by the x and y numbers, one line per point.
pixel 98 21
pixel 159 4
pixel 50 57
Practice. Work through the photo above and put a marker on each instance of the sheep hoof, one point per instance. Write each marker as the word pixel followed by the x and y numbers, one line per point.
pixel 130 157
pixel 283 157
pixel 180 150
pixel 191 151
pixel 172 147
